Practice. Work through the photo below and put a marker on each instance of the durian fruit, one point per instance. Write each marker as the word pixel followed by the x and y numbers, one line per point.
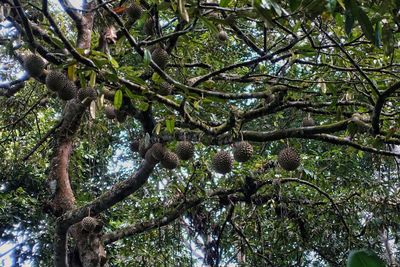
pixel 44 101
pixel 170 160
pixel 134 146
pixel 165 89
pixel 158 151
pixel 89 224
pixel 110 112
pixel 222 36
pixel 89 94
pixel 222 162
pixel 308 121
pixel 134 11
pixel 149 156
pixel 55 80
pixel 289 159
pixel 142 148
pixel 34 65
pixel 160 57
pixel 230 19
pixel 147 73
pixel 185 150
pixel 68 92
pixel 242 151
pixel 121 116
pixel 149 27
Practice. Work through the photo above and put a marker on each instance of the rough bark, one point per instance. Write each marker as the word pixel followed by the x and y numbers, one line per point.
pixel 64 197
pixel 116 194
pixel 85 27
pixel 88 251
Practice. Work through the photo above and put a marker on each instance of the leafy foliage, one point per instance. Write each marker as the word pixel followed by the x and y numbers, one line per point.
pixel 332 61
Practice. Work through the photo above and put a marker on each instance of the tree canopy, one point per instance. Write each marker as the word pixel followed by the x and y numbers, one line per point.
pixel 200 132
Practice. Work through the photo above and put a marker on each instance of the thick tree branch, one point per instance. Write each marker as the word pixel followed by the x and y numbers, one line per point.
pixel 116 194
pixel 68 45
pixel 379 106
pixel 166 219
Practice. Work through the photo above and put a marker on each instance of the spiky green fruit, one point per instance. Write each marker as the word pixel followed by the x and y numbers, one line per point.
pixel 289 159
pixel 158 151
pixel 89 94
pixel 160 57
pixel 34 65
pixel 185 150
pixel 55 80
pixel 110 112
pixel 165 89
pixel 170 160
pixel 149 156
pixel 222 162
pixel 134 11
pixel 149 27
pixel 68 92
pixel 242 151
pixel 89 224
pixel 222 36
pixel 308 122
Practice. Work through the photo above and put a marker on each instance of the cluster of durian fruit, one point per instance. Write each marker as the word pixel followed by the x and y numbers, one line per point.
pixel 158 54
pixel 158 153
pixel 57 81
pixel 222 162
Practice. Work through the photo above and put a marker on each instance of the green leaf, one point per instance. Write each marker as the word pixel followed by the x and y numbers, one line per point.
pixel 341 3
pixel 294 5
pixel 364 258
pixel 57 41
pixel 92 81
pixel 331 6
pixel 224 3
pixel 143 106
pixel 112 77
pixel 378 34
pixel 72 72
pixel 118 99
pixel 170 124
pixel 314 7
pixel 211 26
pixel 113 62
pixel 157 129
pixel 365 23
pixel 130 94
pixel 387 39
pixel 349 22
pixel 278 9
pixel 100 62
pixel 156 78
pixel 146 57
pixel 182 10
pixel 82 79
pixel 264 9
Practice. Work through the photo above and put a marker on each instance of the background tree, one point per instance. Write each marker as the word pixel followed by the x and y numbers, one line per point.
pixel 174 133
